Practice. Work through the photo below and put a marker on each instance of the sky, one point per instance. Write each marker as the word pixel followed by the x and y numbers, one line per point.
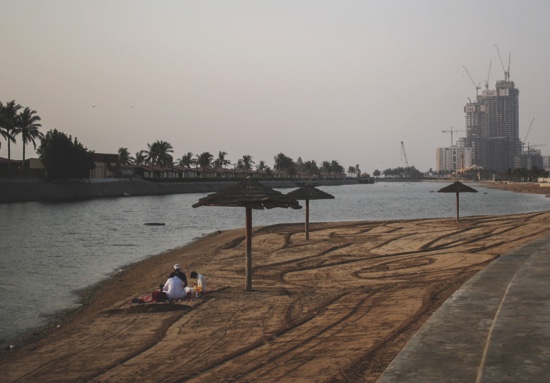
pixel 313 79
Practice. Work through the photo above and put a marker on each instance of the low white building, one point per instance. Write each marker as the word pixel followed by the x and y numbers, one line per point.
pixel 453 158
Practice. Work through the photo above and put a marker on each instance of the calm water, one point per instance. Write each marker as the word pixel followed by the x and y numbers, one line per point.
pixel 50 250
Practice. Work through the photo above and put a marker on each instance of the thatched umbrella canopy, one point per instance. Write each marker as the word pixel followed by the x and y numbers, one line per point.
pixel 309 192
pixel 457 187
pixel 249 194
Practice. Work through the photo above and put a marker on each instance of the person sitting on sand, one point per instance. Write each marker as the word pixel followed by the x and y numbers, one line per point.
pixel 174 288
pixel 201 281
pixel 178 273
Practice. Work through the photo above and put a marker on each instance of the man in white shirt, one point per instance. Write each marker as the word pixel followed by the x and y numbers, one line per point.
pixel 174 288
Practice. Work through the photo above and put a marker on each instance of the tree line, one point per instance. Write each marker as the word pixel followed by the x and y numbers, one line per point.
pixel 399 172
pixel 160 153
pixel 65 157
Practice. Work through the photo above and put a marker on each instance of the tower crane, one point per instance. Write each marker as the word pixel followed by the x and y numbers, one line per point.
pixel 488 75
pixel 404 154
pixel 478 86
pixel 528 130
pixel 452 131
pixel 506 71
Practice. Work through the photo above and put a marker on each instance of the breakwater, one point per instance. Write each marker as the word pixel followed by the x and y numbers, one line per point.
pixel 75 190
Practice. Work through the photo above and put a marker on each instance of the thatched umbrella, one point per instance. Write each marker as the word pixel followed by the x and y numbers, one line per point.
pixel 308 192
pixel 249 194
pixel 457 187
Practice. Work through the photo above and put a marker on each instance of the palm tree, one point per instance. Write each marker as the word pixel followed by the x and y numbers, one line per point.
pixel 151 154
pixel 325 168
pixel 204 160
pixel 221 162
pixel 280 160
pixel 186 160
pixel 357 170
pixel 261 166
pixel 158 153
pixel 140 157
pixel 27 126
pixel 351 170
pixel 124 157
pixel 247 163
pixel 284 163
pixel 165 158
pixel 311 168
pixel 8 122
pixel 336 168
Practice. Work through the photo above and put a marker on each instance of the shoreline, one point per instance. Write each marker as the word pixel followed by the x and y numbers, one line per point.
pixel 35 190
pixel 286 281
pixel 519 187
pixel 88 295
pixel 38 190
pixel 84 295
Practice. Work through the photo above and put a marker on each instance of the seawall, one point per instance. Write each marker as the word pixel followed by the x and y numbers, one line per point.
pixel 74 190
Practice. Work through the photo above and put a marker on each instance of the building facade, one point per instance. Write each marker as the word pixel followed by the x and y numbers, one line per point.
pixel 530 158
pixel 105 165
pixel 492 127
pixel 453 158
pixel 546 163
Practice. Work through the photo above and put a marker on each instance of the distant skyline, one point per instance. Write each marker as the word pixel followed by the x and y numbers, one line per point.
pixel 341 80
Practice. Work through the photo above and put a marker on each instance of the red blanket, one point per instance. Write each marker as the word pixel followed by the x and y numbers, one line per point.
pixel 148 298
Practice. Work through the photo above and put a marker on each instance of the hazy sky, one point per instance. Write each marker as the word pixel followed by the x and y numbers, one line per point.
pixel 321 80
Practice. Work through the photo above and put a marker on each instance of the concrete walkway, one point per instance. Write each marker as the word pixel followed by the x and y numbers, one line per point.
pixel 495 329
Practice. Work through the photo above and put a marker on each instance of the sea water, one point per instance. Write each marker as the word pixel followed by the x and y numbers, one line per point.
pixel 48 251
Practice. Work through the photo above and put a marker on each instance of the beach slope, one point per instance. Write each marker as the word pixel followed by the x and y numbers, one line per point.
pixel 335 308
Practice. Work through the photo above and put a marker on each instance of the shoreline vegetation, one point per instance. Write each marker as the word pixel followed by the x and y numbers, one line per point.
pixel 337 307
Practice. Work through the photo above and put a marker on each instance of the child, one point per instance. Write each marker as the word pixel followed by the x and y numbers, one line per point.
pixel 201 281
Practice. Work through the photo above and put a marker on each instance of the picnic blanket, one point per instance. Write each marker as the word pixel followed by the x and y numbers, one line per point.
pixel 148 298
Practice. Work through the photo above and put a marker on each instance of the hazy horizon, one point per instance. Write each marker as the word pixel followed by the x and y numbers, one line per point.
pixel 320 80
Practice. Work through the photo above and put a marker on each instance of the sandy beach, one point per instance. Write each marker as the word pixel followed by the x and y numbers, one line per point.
pixel 519 187
pixel 335 308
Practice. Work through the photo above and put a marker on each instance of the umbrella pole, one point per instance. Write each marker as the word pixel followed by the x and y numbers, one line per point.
pixel 248 265
pixel 307 219
pixel 457 208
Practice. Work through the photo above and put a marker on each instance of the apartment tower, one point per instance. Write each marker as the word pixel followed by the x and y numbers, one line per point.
pixel 492 127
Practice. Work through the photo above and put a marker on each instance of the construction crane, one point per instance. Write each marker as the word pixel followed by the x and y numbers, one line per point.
pixel 478 86
pixel 488 75
pixel 531 149
pixel 528 130
pixel 534 146
pixel 404 154
pixel 506 71
pixel 451 131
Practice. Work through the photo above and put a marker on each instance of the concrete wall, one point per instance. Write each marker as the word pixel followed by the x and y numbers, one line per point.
pixel 73 190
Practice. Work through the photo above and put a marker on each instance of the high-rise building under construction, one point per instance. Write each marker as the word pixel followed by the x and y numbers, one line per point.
pixel 492 127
